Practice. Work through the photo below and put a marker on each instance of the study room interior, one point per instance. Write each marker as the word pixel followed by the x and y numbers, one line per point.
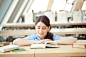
pixel 67 19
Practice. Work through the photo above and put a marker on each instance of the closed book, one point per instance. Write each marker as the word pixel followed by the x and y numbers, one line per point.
pixel 8 48
pixel 75 45
pixel 18 50
pixel 48 44
pixel 81 42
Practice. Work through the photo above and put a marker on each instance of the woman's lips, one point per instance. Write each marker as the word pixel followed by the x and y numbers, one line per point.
pixel 41 33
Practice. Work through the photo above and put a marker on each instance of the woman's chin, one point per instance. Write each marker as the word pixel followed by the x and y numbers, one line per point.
pixel 40 36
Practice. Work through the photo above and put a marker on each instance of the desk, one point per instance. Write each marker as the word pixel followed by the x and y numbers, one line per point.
pixel 28 53
pixel 64 50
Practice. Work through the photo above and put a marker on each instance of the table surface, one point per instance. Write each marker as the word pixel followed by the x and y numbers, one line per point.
pixel 63 50
pixel 28 53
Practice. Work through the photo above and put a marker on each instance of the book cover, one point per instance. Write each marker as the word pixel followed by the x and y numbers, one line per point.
pixel 18 50
pixel 48 44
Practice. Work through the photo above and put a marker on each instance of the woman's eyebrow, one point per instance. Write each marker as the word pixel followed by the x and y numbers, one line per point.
pixel 44 26
pixel 40 26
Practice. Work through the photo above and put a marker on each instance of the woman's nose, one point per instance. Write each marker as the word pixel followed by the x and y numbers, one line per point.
pixel 41 30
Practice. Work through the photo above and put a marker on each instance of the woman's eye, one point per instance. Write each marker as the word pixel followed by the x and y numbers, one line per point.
pixel 38 28
pixel 44 28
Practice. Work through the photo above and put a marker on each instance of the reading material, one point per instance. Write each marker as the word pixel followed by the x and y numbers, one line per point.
pixel 18 50
pixel 47 44
pixel 8 48
pixel 79 44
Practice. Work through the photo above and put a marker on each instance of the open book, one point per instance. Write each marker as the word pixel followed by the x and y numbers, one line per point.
pixel 49 44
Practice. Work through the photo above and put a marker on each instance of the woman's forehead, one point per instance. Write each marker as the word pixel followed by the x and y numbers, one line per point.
pixel 40 24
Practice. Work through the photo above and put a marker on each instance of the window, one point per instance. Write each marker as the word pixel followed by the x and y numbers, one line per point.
pixel 58 5
pixel 62 5
pixel 39 5
pixel 69 5
pixel 84 6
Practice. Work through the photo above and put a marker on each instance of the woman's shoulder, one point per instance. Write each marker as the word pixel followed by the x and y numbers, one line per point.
pixel 33 35
pixel 55 35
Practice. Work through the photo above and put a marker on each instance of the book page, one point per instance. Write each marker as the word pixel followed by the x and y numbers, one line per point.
pixel 51 44
pixel 38 46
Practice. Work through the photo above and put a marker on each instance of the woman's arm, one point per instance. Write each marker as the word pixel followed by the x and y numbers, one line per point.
pixel 24 41
pixel 66 40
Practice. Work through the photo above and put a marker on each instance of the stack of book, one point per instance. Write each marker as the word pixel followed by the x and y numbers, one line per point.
pixel 79 44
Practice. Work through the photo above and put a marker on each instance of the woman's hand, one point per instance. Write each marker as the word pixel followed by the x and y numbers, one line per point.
pixel 42 41
pixel 47 40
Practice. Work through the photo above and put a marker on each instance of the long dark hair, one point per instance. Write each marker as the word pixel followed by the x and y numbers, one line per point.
pixel 46 21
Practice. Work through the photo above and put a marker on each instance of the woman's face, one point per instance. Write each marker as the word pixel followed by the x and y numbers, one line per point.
pixel 42 29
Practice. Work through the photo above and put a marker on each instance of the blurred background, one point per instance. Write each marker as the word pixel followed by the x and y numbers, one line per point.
pixel 22 14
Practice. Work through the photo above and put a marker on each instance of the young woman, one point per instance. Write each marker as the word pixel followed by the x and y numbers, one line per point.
pixel 42 27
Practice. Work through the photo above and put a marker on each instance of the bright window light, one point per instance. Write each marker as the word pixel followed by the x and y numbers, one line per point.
pixel 68 7
pixel 65 5
pixel 84 6
pixel 39 5
pixel 58 5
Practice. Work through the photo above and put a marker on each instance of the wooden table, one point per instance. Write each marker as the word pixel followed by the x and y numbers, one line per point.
pixel 63 51
pixel 28 53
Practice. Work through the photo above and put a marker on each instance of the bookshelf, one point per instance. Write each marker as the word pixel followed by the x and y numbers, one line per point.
pixel 17 32
pixel 56 31
pixel 29 32
pixel 33 24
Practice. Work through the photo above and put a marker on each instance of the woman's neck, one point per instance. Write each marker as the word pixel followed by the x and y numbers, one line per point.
pixel 42 38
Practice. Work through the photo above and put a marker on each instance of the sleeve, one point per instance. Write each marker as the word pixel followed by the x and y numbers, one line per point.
pixel 56 37
pixel 31 37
